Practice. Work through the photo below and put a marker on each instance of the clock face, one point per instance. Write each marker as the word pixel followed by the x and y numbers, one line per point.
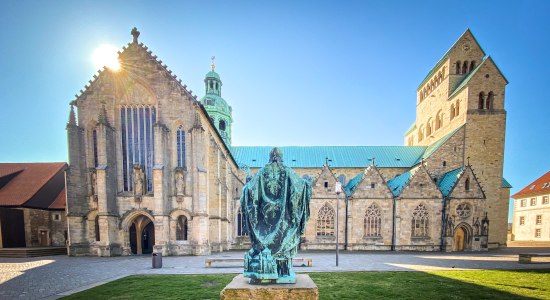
pixel 466 47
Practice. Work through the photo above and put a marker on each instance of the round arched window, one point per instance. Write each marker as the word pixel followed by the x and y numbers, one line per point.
pixel 222 125
pixel 463 210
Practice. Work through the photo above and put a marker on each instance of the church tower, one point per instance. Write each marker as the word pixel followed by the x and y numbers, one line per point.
pixel 218 110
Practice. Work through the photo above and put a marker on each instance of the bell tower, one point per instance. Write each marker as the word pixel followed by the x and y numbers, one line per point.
pixel 218 110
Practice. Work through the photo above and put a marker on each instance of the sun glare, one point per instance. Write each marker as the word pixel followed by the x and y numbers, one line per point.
pixel 106 56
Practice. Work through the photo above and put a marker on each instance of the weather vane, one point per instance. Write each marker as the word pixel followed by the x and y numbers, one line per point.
pixel 213 66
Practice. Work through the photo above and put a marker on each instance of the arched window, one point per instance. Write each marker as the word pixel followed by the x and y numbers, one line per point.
pixel 181 229
pixel 438 120
pixel 465 67
pixel 467 184
pixel 137 136
pixel 211 85
pixel 458 67
pixel 342 179
pixel 429 127
pixel 489 102
pixel 325 221
pixel 452 111
pixel 180 140
pixel 420 134
pixel 222 125
pixel 481 100
pixel 241 225
pixel 373 221
pixel 94 144
pixel 457 108
pixel 472 65
pixel 420 221
pixel 96 228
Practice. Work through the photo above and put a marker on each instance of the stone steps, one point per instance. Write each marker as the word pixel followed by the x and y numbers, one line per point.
pixel 32 252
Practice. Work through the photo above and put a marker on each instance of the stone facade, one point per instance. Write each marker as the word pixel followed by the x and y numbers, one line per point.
pixel 152 168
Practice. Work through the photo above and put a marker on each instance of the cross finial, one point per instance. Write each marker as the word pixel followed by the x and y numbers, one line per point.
pixel 135 34
pixel 213 65
pixel 372 160
pixel 326 161
pixel 468 159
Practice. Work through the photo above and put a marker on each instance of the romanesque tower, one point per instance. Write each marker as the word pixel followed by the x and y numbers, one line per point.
pixel 218 110
pixel 465 92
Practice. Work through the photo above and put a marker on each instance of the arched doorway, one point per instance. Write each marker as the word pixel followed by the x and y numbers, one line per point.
pixel 142 235
pixel 463 237
pixel 459 239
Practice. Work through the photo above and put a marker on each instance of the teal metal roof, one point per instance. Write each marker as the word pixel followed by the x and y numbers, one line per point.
pixel 449 180
pixel 505 184
pixel 398 183
pixel 339 156
pixel 212 74
pixel 350 187
pixel 434 146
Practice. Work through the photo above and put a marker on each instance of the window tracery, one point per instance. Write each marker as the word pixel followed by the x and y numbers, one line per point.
pixel 325 221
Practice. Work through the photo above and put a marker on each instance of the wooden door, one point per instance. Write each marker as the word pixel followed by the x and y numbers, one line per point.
pixel 459 239
pixel 43 238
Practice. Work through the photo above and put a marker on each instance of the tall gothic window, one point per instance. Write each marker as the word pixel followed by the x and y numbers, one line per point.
pixel 96 228
pixel 420 221
pixel 181 229
pixel 325 221
pixel 94 143
pixel 180 140
pixel 241 226
pixel 137 142
pixel 373 221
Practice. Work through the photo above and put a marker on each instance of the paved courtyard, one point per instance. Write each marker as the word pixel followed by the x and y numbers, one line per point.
pixel 52 277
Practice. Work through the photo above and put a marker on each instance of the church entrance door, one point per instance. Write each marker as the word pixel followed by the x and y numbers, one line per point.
pixel 142 235
pixel 459 239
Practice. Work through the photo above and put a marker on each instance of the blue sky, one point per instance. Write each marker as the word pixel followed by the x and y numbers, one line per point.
pixel 295 73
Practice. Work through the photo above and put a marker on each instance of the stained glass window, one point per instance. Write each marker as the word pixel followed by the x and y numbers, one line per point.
pixel 325 221
pixel 137 142
pixel 180 140
pixel 373 221
pixel 420 221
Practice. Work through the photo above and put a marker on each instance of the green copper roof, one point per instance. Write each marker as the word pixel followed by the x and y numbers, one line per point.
pixel 505 184
pixel 398 183
pixel 350 187
pixel 413 127
pixel 339 156
pixel 434 146
pixel 212 74
pixel 449 180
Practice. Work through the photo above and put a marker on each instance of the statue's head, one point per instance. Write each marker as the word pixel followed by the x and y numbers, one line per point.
pixel 276 155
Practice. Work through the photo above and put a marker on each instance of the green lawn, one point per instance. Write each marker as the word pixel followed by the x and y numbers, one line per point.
pixel 493 284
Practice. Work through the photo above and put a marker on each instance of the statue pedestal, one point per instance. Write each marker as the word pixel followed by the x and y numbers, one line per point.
pixel 239 288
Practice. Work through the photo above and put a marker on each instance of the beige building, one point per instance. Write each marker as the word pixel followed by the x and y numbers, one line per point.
pixel 153 169
pixel 531 220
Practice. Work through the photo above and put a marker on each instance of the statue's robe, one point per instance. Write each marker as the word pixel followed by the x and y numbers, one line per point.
pixel 275 204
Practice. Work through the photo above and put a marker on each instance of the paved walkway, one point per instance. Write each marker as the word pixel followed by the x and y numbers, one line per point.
pixel 54 276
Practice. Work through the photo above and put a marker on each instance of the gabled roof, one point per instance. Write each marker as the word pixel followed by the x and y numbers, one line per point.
pixel 398 183
pixel 339 156
pixel 437 144
pixel 350 187
pixel 537 187
pixel 446 55
pixel 449 180
pixel 470 75
pixel 37 185
pixel 60 201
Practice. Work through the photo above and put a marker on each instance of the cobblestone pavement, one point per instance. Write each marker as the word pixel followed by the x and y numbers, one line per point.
pixel 51 277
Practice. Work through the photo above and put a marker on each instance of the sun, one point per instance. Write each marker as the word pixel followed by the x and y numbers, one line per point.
pixel 106 56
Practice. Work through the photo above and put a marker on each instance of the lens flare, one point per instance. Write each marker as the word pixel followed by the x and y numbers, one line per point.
pixel 106 56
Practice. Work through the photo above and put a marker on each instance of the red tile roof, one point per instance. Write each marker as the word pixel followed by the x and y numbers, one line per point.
pixel 32 178
pixel 537 187
pixel 60 201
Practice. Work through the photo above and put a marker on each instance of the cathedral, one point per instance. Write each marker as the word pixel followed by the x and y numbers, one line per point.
pixel 152 167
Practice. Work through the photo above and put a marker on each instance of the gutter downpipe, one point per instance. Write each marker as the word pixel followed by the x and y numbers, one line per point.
pixel 346 225
pixel 393 226
pixel 442 247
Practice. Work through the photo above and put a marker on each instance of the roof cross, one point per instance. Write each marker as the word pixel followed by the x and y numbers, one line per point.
pixel 213 65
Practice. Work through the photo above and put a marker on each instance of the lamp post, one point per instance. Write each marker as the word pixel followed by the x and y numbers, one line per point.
pixel 338 190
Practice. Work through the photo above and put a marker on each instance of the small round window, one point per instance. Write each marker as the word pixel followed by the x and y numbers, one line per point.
pixel 463 210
